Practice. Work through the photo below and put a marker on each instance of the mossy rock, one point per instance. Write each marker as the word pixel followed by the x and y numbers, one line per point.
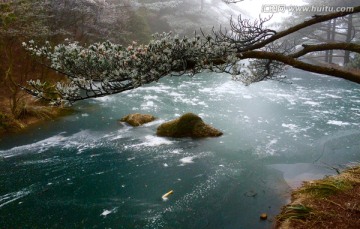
pixel 137 119
pixel 188 125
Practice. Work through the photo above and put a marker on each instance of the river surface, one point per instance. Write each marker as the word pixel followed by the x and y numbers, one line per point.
pixel 88 170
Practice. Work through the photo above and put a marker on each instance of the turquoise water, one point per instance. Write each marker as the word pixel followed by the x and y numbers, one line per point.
pixel 88 170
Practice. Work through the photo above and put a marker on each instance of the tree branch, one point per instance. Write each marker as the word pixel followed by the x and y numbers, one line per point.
pixel 106 68
pixel 286 59
pixel 326 46
pixel 298 27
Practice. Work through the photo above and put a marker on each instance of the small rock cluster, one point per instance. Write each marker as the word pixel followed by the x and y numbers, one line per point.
pixel 188 125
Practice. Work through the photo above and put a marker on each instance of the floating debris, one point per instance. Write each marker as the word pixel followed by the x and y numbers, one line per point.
pixel 165 196
pixel 263 216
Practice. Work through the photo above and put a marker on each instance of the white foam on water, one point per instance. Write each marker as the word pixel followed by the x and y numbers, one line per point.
pixel 192 101
pixel 13 196
pixel 45 161
pixel 228 88
pixel 187 160
pixel 269 149
pixel 151 97
pixel 176 151
pixel 291 127
pixel 37 147
pixel 275 96
pixel 333 96
pixel 152 141
pixel 202 103
pixel 206 90
pixel 176 94
pixel 105 99
pixel 80 141
pixel 148 105
pixel 107 212
pixel 160 88
pixel 338 123
pixel 312 103
pixel 117 137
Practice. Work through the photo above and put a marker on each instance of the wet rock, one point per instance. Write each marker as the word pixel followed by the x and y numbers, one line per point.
pixel 137 119
pixel 188 125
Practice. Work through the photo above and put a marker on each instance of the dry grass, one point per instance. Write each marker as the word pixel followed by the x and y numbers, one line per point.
pixel 27 112
pixel 332 202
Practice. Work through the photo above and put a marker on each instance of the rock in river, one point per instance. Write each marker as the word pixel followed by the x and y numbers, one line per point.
pixel 137 119
pixel 188 125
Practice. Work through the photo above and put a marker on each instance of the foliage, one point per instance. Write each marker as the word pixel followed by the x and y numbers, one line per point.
pixel 107 68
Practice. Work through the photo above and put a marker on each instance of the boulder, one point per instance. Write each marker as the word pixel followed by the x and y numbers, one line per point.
pixel 188 125
pixel 137 119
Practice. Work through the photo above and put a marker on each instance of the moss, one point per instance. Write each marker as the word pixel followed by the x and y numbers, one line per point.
pixel 138 119
pixel 188 125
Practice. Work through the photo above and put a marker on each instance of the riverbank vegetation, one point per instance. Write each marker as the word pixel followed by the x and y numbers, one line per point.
pixel 332 202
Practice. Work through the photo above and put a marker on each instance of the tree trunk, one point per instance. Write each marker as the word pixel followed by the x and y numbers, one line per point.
pixel 332 39
pixel 327 40
pixel 348 38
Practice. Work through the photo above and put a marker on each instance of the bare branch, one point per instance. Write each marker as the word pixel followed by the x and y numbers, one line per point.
pixel 331 71
pixel 313 21
pixel 326 46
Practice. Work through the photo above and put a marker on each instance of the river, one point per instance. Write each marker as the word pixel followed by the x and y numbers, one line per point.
pixel 87 170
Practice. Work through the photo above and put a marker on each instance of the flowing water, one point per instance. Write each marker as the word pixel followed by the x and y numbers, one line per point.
pixel 89 170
